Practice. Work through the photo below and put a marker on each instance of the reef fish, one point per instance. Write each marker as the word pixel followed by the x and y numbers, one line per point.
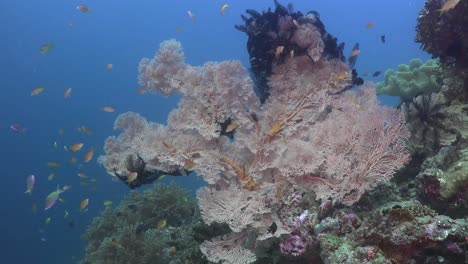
pixel 67 93
pixel 17 128
pixel 377 73
pixel 450 4
pixel 132 176
pixel 53 197
pixel 382 38
pixel 53 164
pixel 109 66
pixel 76 147
pixel 37 91
pixel 191 16
pixel 83 8
pixel 223 8
pixel 354 55
pixel 89 155
pixel 30 183
pixel 108 109
pixel 46 48
pixel 84 204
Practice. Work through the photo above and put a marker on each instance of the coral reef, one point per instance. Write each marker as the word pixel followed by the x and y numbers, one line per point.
pixel 158 225
pixel 308 133
pixel 444 36
pixel 299 172
pixel 410 80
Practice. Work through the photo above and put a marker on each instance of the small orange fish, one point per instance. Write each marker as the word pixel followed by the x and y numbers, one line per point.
pixel 37 91
pixel 89 155
pixel 355 53
pixel 84 204
pixel 449 5
pixel 370 25
pixel 73 160
pixel 83 8
pixel 191 16
pixel 108 109
pixel 109 66
pixel 223 8
pixel 67 93
pixel 231 127
pixel 141 91
pixel 278 51
pixel 76 147
pixel 179 29
pixel 61 131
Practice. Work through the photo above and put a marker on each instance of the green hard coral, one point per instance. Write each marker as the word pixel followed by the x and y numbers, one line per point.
pixel 411 80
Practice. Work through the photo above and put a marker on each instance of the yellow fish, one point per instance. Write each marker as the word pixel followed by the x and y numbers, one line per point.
pixel 108 203
pixel 47 221
pixel 342 76
pixel 76 147
pixel 132 176
pixel 161 224
pixel 53 164
pixel 37 91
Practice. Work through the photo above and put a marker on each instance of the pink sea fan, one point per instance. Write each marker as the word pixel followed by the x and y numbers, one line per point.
pixel 156 74
pixel 228 249
pixel 357 146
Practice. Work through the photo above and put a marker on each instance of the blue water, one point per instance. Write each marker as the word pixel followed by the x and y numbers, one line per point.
pixel 121 33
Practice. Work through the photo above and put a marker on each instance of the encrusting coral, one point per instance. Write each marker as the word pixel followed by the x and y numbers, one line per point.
pixel 311 131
